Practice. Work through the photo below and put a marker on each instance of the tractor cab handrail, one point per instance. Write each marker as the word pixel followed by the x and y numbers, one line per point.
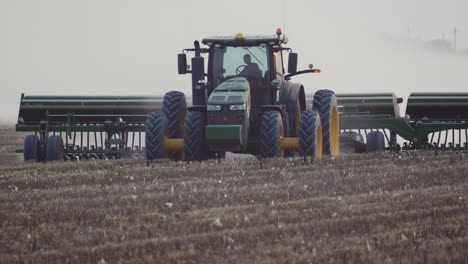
pixel 202 50
pixel 287 77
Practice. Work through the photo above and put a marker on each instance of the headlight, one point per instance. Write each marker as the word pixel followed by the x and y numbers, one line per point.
pixel 213 107
pixel 237 107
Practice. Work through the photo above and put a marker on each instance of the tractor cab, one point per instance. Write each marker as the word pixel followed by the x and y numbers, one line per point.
pixel 256 58
pixel 250 63
pixel 251 58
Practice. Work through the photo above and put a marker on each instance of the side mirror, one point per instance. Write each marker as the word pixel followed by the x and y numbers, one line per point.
pixel 182 63
pixel 292 63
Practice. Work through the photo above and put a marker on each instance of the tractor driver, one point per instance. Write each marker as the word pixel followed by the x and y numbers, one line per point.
pixel 251 69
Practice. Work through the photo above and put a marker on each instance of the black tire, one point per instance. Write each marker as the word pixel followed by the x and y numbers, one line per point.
pixel 375 142
pixel 175 109
pixel 326 104
pixel 32 148
pixel 352 142
pixel 294 115
pixel 271 129
pixel 292 123
pixel 55 149
pixel 310 133
pixel 194 137
pixel 156 129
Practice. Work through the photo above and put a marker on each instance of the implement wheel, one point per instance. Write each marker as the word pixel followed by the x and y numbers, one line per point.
pixel 156 129
pixel 375 142
pixel 175 109
pixel 271 131
pixel 32 148
pixel 310 135
pixel 194 137
pixel 325 103
pixel 55 148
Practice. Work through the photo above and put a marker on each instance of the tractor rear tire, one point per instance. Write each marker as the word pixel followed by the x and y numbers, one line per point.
pixel 291 123
pixel 175 109
pixel 310 135
pixel 155 131
pixel 55 151
pixel 375 142
pixel 326 104
pixel 294 116
pixel 195 148
pixel 32 148
pixel 271 131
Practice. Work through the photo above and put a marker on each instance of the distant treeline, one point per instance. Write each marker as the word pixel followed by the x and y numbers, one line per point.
pixel 439 45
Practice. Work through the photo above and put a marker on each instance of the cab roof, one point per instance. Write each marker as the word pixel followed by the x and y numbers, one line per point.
pixel 242 40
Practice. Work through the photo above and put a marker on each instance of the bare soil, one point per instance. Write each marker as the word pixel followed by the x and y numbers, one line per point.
pixel 386 208
pixel 9 142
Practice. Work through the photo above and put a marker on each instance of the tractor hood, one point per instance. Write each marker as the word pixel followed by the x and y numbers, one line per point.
pixel 230 92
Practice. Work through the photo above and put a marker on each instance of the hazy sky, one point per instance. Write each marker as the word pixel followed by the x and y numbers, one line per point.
pixel 122 47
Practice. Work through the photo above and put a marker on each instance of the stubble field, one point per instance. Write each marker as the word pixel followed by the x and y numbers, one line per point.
pixel 388 208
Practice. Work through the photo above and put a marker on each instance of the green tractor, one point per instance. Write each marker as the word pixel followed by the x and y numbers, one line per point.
pixel 244 103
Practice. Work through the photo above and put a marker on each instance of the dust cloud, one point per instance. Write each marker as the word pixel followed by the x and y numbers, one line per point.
pixel 129 48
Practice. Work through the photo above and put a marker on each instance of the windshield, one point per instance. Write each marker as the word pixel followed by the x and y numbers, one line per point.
pixel 251 62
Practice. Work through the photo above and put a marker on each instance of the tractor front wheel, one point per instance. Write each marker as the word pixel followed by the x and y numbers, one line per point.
pixel 155 131
pixel 271 131
pixel 195 148
pixel 310 135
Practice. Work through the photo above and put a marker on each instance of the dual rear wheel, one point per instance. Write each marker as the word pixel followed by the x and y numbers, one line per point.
pixel 272 132
pixel 50 150
pixel 318 130
pixel 326 105
pixel 172 123
pixel 157 130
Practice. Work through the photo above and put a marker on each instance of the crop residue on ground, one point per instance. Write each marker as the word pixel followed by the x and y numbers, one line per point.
pixel 405 208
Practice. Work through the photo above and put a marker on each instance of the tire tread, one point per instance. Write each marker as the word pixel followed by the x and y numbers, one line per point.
pixel 194 137
pixel 307 133
pixel 269 134
pixel 323 102
pixel 156 124
pixel 175 110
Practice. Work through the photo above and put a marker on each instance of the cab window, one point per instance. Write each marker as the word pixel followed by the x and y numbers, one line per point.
pixel 251 62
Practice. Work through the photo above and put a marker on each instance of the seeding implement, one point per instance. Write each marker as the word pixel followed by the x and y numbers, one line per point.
pixel 437 121
pixel 245 103
pixel 77 127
